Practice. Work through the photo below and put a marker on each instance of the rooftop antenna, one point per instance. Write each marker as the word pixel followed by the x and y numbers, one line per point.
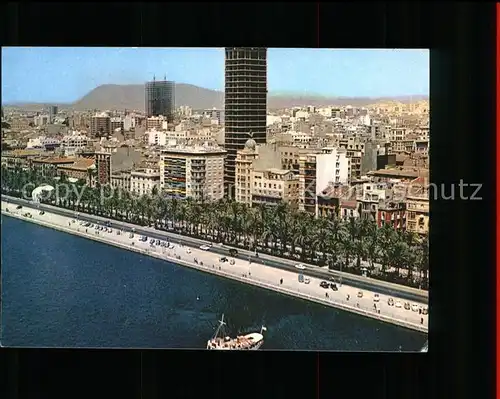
pixel 165 77
pixel 154 78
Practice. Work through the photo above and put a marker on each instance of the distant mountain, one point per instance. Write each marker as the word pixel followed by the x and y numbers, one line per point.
pixel 107 97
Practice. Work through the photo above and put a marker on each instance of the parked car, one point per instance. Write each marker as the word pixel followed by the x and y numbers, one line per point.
pixel 19 207
pixel 205 247
pixel 425 310
pixel 414 307
pixel 334 287
pixel 376 298
pixel 407 306
pixel 307 280
pixel 223 259
pixel 398 304
pixel 300 266
pixel 233 252
pixel 390 302
pixel 42 213
pixel 188 251
pixel 360 294
pixel 324 284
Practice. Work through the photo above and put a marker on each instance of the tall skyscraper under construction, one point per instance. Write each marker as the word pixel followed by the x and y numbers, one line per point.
pixel 245 104
pixel 160 99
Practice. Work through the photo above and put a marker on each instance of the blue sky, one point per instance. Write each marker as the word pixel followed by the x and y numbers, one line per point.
pixel 65 74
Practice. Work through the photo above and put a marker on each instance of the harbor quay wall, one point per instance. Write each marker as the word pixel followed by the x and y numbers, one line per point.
pixel 223 273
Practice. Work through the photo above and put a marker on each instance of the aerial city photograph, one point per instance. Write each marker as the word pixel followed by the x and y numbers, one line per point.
pixel 238 198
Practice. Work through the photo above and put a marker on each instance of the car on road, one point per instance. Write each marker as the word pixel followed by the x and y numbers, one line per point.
pixel 223 259
pixel 307 280
pixel 376 298
pixel 205 247
pixel 324 284
pixel 360 294
pixel 157 242
pixel 334 287
pixel 425 310
pixel 233 252
pixel 42 213
pixel 171 246
pixel 390 301
pixel 188 251
pixel 407 306
pixel 398 304
pixel 131 235
pixel 300 266
pixel 19 207
pixel 414 307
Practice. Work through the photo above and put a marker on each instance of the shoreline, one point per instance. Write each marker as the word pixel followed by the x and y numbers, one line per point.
pixel 224 270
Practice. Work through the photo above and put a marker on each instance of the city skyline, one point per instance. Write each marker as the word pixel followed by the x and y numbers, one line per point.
pixel 30 74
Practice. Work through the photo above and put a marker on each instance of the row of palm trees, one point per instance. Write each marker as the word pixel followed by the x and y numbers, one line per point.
pixel 354 245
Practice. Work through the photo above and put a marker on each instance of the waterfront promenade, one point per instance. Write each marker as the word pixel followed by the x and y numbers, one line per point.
pixel 361 282
pixel 242 270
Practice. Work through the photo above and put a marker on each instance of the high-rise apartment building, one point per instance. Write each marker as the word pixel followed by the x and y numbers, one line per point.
pixel 160 99
pixel 100 125
pixel 53 109
pixel 193 172
pixel 245 104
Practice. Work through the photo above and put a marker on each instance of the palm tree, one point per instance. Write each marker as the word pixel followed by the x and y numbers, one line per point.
pixel 387 238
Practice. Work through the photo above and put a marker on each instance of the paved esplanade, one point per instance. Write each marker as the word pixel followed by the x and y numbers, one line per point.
pixel 243 270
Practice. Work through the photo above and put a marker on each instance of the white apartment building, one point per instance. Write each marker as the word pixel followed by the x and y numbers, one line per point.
pixel 42 142
pixel 302 115
pixel 143 181
pixel 272 186
pixel 398 133
pixel 75 140
pixel 41 120
pixel 129 122
pixel 370 197
pixel 301 139
pixel 193 172
pixel 271 119
pixel 155 122
pixel 156 137
pixel 332 166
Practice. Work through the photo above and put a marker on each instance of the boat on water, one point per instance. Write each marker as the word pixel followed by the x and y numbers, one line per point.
pixel 221 341
pixel 425 348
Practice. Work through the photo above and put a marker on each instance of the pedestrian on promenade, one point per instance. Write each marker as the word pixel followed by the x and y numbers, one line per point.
pixel 357 304
pixel 281 281
pixel 348 296
pixel 378 311
pixel 421 320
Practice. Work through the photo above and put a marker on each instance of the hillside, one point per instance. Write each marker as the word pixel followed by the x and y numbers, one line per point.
pixel 107 97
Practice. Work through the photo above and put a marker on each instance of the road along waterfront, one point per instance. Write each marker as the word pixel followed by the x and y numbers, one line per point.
pixel 264 276
pixel 364 283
